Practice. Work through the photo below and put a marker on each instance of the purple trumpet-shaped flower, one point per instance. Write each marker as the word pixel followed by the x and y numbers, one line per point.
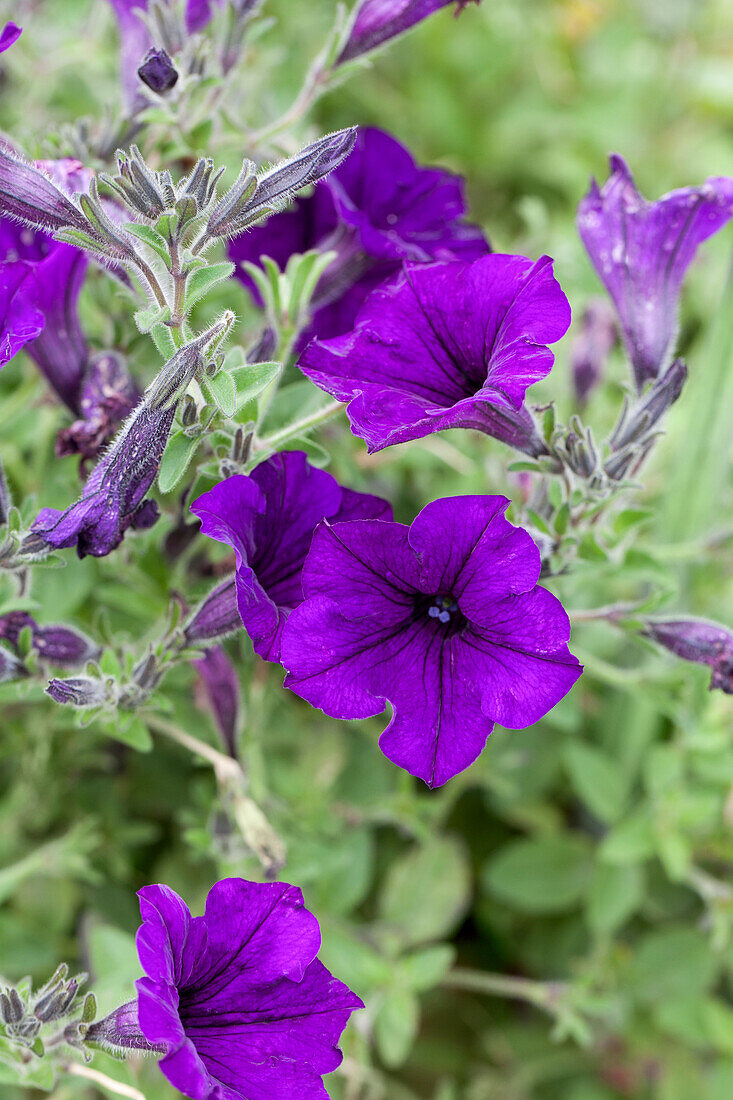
pixel 268 519
pixel 113 497
pixel 443 619
pixel 236 1000
pixel 377 21
pixel 9 35
pixel 698 640
pixel 641 251
pixel 58 644
pixel 21 321
pixel 221 692
pixel 446 346
pixel 375 210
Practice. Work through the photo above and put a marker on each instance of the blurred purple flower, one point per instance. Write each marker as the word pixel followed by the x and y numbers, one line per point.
pixel 9 35
pixel 59 644
pixel 221 689
pixel 443 619
pixel 641 251
pixel 377 21
pixel 237 1000
pixel 443 347
pixel 706 643
pixel 591 347
pixel 20 319
pixel 375 210
pixel 268 519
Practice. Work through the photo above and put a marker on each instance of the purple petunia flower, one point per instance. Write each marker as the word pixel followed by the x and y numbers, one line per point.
pixel 375 210
pixel 443 619
pixel 106 396
pixel 268 519
pixel 9 35
pixel 641 251
pixel 699 640
pixel 20 319
pixel 237 1000
pixel 222 693
pixel 446 346
pixel 377 21
pixel 58 644
pixel 591 347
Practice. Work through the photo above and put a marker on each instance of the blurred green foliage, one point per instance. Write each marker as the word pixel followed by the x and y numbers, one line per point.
pixel 556 922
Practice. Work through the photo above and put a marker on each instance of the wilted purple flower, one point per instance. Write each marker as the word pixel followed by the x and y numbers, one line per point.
pixel 59 644
pixel 377 21
pixel 591 347
pixel 20 319
pixel 443 347
pixel 641 251
pixel 375 210
pixel 107 395
pixel 113 497
pixel 220 682
pixel 216 616
pixel 268 519
pixel 443 619
pixel 158 71
pixel 236 1000
pixel 9 35
pixel 699 640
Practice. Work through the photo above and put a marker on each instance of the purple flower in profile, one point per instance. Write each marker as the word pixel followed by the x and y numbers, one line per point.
pixel 375 210
pixel 444 347
pixel 20 318
pixel 268 519
pixel 443 619
pixel 377 21
pixel 699 640
pixel 236 1000
pixel 9 35
pixel 641 251
pixel 222 693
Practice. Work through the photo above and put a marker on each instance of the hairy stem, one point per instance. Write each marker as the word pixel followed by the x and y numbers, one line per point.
pixel 542 994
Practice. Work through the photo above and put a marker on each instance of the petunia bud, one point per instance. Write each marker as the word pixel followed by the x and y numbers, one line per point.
pixel 120 1030
pixel 58 644
pixel 9 35
pixel 27 194
pixel 698 640
pixel 638 424
pixel 222 691
pixel 216 616
pixel 158 71
pixel 250 199
pixel 78 691
pixel 377 21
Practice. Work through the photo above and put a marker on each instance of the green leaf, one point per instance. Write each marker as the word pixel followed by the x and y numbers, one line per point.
pixel 427 891
pixel 597 779
pixel 201 281
pixel 631 841
pixel 176 459
pixel 146 319
pixel 163 340
pixel 395 1026
pixel 422 970
pixel 222 391
pixel 671 962
pixel 616 891
pixel 252 379
pixel 149 237
pixel 542 875
pixel 132 732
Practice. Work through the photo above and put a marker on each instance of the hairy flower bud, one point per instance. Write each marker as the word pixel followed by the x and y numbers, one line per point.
pixel 78 691
pixel 698 640
pixel 637 426
pixel 216 616
pixel 221 688
pixel 58 644
pixel 27 194
pixel 158 71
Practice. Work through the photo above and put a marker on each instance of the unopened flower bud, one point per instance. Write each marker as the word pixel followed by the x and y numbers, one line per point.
pixel 27 194
pixel 216 616
pixel 158 71
pixel 222 692
pixel 78 691
pixel 698 640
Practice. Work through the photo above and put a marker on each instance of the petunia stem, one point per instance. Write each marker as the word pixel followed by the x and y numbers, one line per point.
pixel 223 765
pixel 105 1082
pixel 315 85
pixel 298 427
pixel 542 994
